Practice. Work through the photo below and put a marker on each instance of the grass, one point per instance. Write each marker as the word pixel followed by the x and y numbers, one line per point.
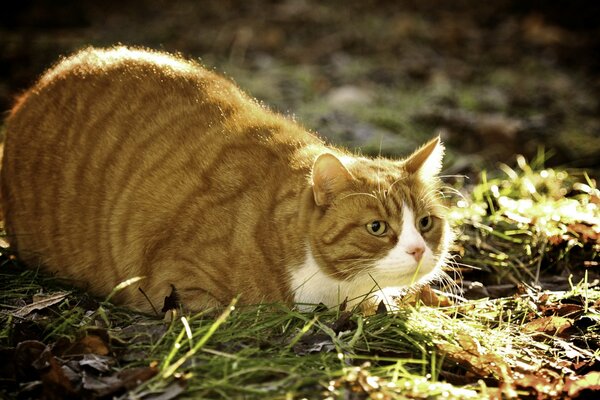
pixel 530 222
pixel 532 344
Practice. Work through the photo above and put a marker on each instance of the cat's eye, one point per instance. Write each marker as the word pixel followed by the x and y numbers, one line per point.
pixel 377 228
pixel 425 223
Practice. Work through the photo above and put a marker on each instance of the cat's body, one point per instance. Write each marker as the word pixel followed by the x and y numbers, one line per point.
pixel 121 163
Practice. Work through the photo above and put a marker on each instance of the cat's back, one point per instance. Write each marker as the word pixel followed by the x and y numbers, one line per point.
pixel 93 80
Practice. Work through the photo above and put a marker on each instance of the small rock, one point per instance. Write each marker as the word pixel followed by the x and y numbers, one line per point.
pixel 348 96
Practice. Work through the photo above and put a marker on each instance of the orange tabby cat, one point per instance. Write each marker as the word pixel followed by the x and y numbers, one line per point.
pixel 123 163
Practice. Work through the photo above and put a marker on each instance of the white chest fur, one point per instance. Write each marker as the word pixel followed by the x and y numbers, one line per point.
pixel 312 286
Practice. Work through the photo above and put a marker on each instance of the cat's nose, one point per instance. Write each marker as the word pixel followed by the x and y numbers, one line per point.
pixel 416 252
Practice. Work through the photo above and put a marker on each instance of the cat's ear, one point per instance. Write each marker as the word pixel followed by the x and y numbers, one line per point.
pixel 329 177
pixel 427 160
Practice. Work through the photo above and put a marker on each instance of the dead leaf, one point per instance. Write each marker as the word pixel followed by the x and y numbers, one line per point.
pixel 171 301
pixel 548 325
pixel 133 377
pixel 544 385
pixel 25 354
pixel 112 385
pixel 96 362
pixel 584 366
pixel 34 361
pixel 471 354
pixel 556 240
pixel 90 344
pixel 343 323
pixel 56 384
pixel 104 384
pixel 314 343
pixel 585 233
pixel 344 304
pixel 576 384
pixel 40 302
pixel 429 298
pixel 563 310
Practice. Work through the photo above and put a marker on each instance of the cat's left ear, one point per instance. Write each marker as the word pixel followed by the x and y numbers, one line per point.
pixel 427 160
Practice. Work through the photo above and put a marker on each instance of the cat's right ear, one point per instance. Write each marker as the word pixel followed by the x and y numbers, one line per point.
pixel 329 177
pixel 427 160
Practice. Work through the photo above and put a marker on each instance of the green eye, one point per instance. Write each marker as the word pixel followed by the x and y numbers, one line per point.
pixel 377 228
pixel 425 223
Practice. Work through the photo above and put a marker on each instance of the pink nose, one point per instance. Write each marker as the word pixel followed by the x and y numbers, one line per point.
pixel 416 252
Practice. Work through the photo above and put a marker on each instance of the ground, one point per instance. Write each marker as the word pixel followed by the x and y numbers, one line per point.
pixel 512 88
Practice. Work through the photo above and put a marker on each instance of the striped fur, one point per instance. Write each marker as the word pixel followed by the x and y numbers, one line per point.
pixel 125 162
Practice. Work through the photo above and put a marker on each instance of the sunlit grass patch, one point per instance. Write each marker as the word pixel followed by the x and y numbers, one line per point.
pixel 527 223
pixel 475 349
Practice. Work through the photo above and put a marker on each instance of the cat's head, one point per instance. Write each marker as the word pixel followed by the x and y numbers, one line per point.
pixel 377 221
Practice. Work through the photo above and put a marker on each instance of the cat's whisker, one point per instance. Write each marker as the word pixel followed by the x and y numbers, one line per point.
pixel 448 284
pixel 453 191
pixel 453 176
pixel 464 265
pixel 396 181
pixel 451 260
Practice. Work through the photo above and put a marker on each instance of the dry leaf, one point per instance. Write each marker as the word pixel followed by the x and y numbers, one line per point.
pixel 314 343
pixel 127 379
pixel 477 359
pixel 56 384
pixel 575 385
pixel 40 302
pixel 556 240
pixel 171 301
pixel 585 233
pixel 26 353
pixel 562 310
pixel 133 377
pixel 33 361
pixel 542 384
pixel 381 308
pixel 343 323
pixel 429 298
pixel 548 325
pixel 89 344
pixel 99 363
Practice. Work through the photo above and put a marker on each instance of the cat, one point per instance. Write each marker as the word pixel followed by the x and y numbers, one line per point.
pixel 126 162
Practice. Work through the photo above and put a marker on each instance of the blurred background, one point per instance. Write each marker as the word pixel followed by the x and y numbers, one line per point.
pixel 495 79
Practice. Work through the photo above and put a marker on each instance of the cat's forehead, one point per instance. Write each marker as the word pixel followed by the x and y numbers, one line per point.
pixel 389 185
pixel 379 172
